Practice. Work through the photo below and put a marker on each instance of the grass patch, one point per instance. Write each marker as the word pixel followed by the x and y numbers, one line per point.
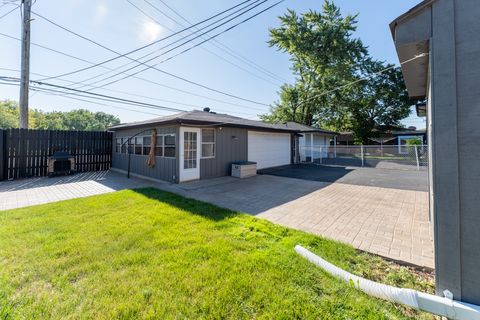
pixel 150 254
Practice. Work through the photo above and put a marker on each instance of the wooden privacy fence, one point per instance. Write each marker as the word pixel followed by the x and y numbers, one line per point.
pixel 24 152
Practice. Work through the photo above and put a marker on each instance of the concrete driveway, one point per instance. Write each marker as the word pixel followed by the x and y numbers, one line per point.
pixel 361 176
pixel 385 221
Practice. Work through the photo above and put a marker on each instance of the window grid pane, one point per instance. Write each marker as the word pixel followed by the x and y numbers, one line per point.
pixel 189 150
pixel 208 143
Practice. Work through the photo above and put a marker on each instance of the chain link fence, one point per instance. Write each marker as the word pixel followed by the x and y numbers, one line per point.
pixel 403 157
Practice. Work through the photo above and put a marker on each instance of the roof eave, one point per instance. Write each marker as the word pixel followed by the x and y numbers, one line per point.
pixel 413 11
pixel 199 123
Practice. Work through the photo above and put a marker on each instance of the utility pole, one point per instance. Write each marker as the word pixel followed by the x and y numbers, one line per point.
pixel 25 67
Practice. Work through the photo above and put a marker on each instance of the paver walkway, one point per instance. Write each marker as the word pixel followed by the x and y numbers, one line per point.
pixel 35 191
pixel 389 222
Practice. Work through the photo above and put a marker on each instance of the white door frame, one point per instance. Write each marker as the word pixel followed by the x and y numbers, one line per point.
pixel 192 173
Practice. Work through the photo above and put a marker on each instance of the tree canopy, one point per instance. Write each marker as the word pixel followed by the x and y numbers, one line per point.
pixel 80 119
pixel 329 64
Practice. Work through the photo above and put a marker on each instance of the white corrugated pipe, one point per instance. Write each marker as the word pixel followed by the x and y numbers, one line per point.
pixel 418 300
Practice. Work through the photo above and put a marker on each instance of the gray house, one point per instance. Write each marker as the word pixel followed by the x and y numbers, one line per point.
pixel 202 144
pixel 438 43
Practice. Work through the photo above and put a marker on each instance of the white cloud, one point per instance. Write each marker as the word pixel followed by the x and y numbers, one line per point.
pixel 101 12
pixel 150 31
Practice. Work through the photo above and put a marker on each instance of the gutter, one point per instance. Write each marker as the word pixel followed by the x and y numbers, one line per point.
pixel 441 306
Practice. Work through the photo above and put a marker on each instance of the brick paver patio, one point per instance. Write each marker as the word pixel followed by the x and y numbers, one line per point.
pixel 389 222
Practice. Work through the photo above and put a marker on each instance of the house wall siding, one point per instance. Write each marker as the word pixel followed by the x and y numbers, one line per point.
pixel 467 31
pixel 453 121
pixel 231 146
pixel 165 169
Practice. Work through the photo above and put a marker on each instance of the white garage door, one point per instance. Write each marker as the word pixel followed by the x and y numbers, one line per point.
pixel 269 149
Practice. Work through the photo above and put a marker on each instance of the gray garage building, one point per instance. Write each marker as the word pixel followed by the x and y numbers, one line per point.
pixel 202 144
pixel 438 42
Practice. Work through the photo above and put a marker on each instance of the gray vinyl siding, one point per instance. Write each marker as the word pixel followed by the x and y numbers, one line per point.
pixel 453 119
pixel 231 146
pixel 166 169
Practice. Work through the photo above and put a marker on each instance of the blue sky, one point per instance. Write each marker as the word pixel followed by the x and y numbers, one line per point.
pixel 120 26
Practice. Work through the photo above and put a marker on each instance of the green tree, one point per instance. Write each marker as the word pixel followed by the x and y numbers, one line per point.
pixel 325 56
pixel 9 116
pixel 414 142
pixel 80 119
pixel 380 102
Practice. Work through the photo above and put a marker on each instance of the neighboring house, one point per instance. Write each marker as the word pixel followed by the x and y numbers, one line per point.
pixel 438 44
pixel 398 137
pixel 313 142
pixel 202 144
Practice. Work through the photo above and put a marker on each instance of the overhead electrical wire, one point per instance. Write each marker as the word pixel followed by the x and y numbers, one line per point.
pixel 131 94
pixel 172 43
pixel 194 46
pixel 147 45
pixel 224 31
pixel 167 73
pixel 9 12
pixel 136 77
pixel 203 48
pixel 95 95
pixel 361 79
pixel 221 45
pixel 47 92
pixel 119 55
pixel 88 95
pixel 91 95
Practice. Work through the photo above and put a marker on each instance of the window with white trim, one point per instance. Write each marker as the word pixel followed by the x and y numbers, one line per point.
pixel 118 145
pixel 146 145
pixel 141 145
pixel 169 145
pixel 403 147
pixel 208 143
pixel 138 145
pixel 159 146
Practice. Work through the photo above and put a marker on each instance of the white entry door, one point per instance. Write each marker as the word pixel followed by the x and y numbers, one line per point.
pixel 189 154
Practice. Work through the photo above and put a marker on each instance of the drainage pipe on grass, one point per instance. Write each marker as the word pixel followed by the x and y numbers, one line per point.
pixel 446 307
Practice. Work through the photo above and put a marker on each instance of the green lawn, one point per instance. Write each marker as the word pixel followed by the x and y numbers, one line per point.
pixel 149 254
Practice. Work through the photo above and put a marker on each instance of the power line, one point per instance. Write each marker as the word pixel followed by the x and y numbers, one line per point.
pixel 52 93
pixel 9 12
pixel 96 95
pixel 194 46
pixel 85 94
pixel 218 45
pixel 170 44
pixel 204 48
pixel 136 77
pixel 131 94
pixel 226 30
pixel 162 71
pixel 222 46
pixel 361 79
pixel 150 44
